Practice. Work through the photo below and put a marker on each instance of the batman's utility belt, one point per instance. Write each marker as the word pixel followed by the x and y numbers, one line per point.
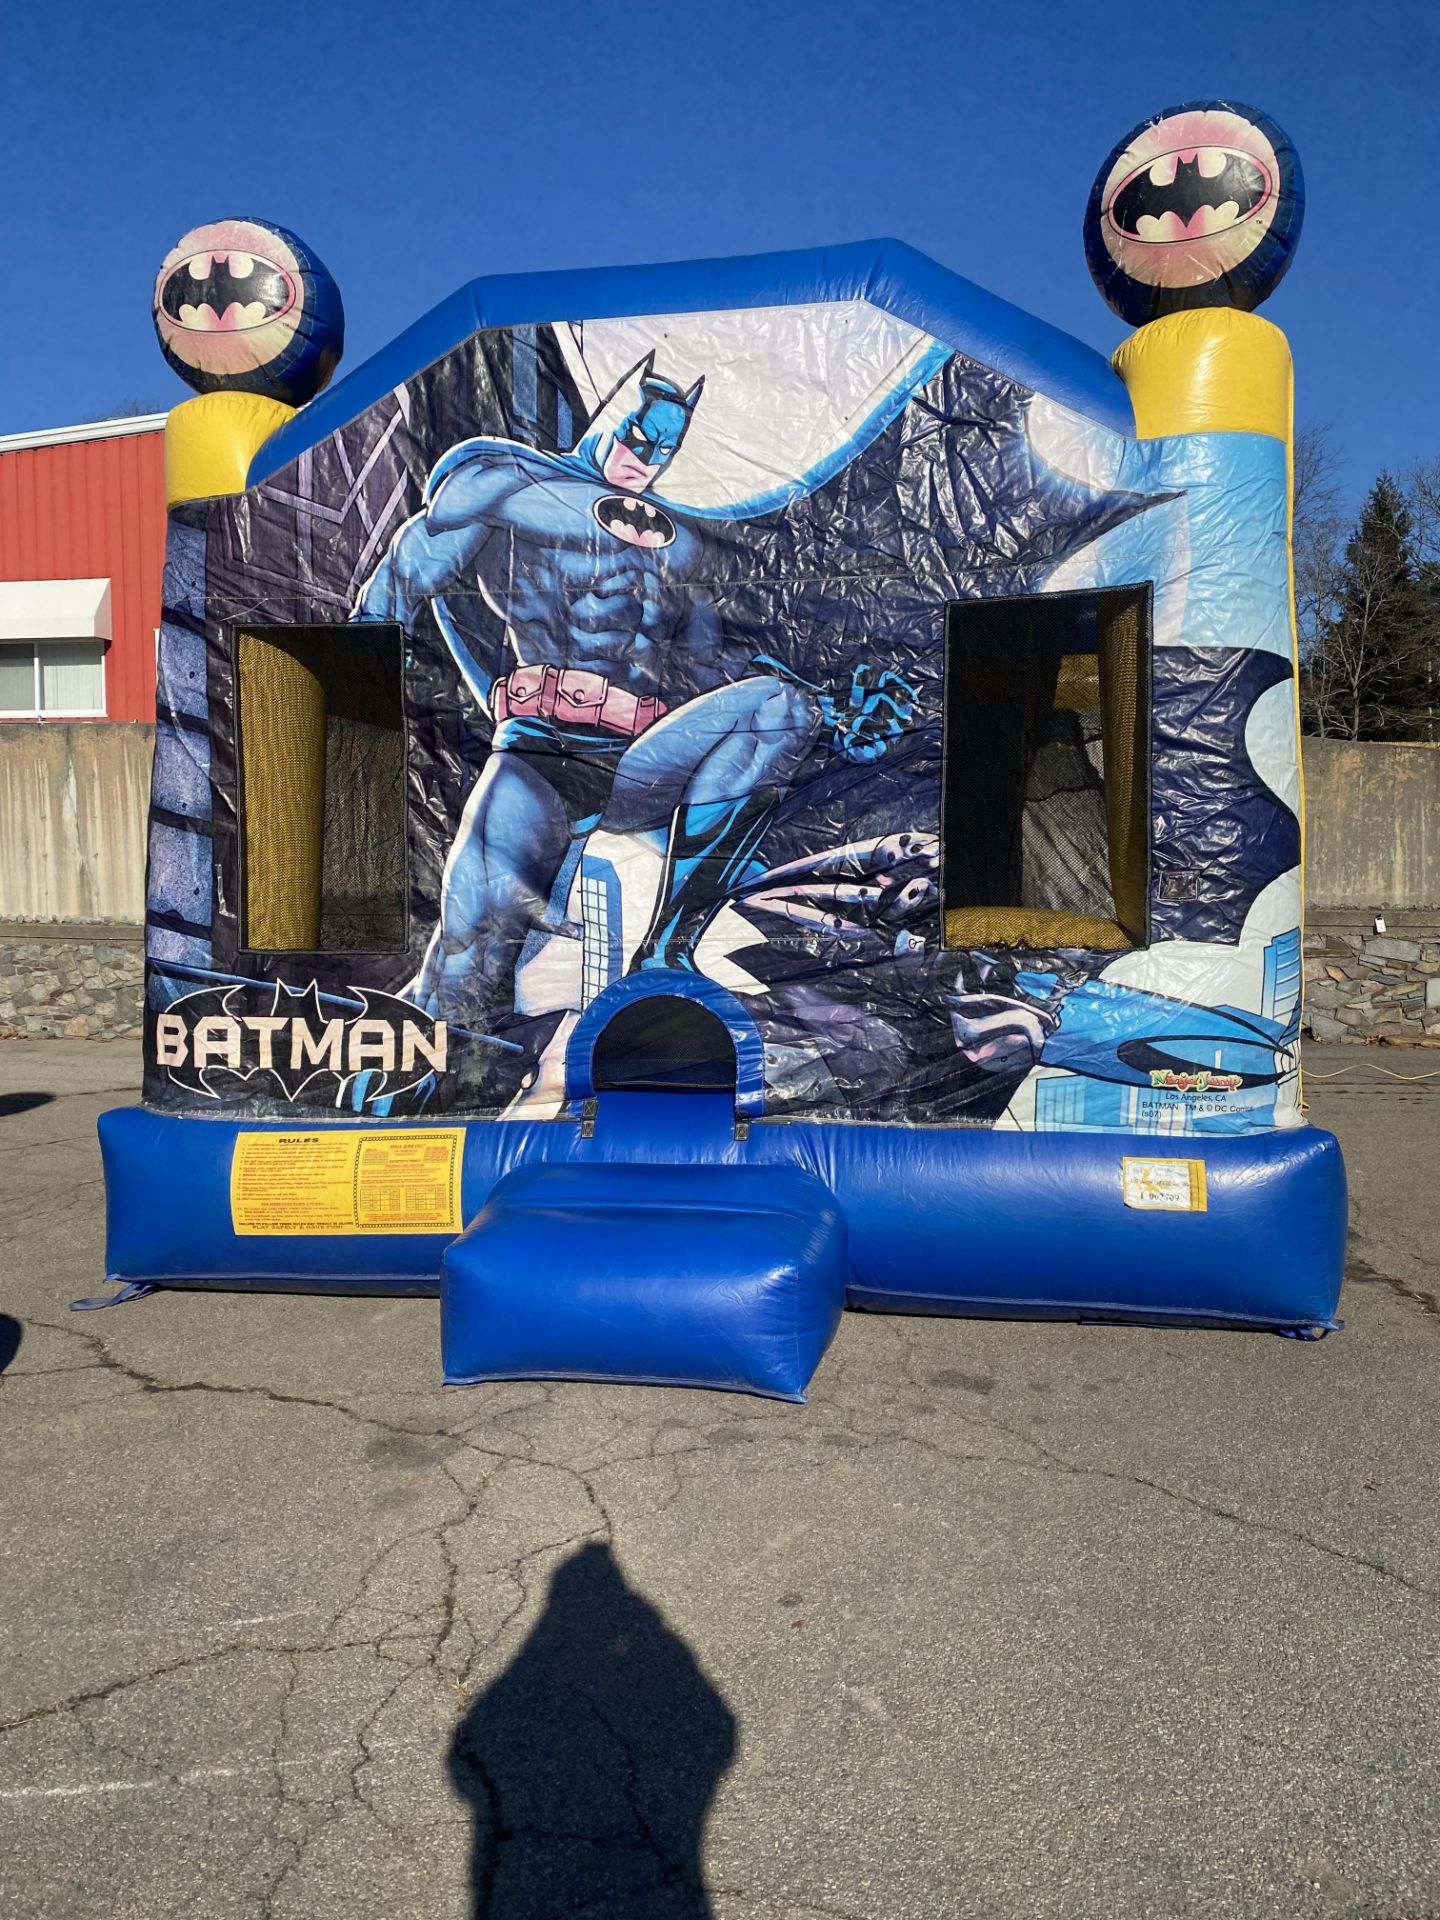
pixel 575 697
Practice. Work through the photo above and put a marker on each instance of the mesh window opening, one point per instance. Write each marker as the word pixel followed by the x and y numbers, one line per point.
pixel 321 729
pixel 1045 816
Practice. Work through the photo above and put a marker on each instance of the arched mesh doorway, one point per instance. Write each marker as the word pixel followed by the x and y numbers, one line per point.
pixel 663 1044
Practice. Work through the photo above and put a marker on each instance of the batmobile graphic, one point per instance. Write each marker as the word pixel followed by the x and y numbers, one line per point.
pixel 1140 1039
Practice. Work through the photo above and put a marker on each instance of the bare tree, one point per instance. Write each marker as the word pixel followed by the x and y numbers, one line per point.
pixel 1316 473
pixel 1318 544
pixel 1422 493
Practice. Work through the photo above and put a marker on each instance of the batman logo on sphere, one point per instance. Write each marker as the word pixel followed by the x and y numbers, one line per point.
pixel 1155 190
pixel 260 293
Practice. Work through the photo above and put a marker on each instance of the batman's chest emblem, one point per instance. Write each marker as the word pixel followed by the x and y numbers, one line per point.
pixel 638 521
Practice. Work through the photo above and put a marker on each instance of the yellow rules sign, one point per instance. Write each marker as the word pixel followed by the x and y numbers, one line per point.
pixel 348 1180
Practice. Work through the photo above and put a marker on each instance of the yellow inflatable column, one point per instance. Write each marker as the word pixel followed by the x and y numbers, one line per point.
pixel 211 440
pixel 248 314
pixel 1208 370
pixel 1217 370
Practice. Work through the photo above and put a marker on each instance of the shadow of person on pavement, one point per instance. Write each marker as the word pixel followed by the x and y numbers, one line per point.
pixel 11 1334
pixel 590 1763
pixel 22 1102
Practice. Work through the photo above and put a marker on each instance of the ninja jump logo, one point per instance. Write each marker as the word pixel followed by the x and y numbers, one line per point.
pixel 1203 1080
pixel 227 1043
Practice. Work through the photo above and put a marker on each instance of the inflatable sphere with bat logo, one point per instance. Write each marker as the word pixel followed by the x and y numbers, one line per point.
pixel 1198 206
pixel 245 306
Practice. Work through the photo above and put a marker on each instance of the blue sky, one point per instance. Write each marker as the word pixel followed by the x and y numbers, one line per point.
pixel 416 146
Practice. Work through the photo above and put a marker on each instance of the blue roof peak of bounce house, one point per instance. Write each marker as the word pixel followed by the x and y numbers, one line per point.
pixel 887 273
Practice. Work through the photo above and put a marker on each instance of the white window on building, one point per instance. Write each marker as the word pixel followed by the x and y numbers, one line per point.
pixel 52 679
pixel 53 635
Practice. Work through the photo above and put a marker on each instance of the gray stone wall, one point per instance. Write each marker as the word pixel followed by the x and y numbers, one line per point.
pixel 1369 987
pixel 81 982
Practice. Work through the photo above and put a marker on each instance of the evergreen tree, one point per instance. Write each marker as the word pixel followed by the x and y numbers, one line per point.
pixel 1372 671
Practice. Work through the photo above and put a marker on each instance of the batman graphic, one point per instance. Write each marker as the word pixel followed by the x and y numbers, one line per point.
pixel 1240 183
pixel 624 693
pixel 241 305
pixel 271 1046
pixel 1198 206
pixel 260 292
pixel 683 681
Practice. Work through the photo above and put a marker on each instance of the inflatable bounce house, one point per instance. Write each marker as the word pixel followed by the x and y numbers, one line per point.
pixel 690 796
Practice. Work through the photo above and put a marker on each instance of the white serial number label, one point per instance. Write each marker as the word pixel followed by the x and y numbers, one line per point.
pixel 1165 1186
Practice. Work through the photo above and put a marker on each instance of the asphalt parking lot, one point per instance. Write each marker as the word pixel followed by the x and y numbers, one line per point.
pixel 1010 1620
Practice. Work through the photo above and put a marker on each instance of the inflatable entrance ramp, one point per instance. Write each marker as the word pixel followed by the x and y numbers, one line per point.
pixel 696 1276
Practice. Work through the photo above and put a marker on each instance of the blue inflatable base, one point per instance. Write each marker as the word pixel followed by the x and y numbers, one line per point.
pixel 938 1219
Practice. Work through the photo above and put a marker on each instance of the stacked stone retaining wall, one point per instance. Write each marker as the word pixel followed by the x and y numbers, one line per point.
pixel 1370 987
pixel 80 982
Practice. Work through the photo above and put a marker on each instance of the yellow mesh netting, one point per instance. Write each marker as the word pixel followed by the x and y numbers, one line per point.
pixel 282 789
pixel 1031 927
pixel 1078 684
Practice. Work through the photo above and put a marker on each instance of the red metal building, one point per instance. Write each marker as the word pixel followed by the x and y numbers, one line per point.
pixel 82 546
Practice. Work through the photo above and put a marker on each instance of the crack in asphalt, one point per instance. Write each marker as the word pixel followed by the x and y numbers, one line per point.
pixel 44 1205
pixel 285 1854
pixel 1046 1459
pixel 449 1617
pixel 1057 1463
pixel 1363 1274
pixel 75 1093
